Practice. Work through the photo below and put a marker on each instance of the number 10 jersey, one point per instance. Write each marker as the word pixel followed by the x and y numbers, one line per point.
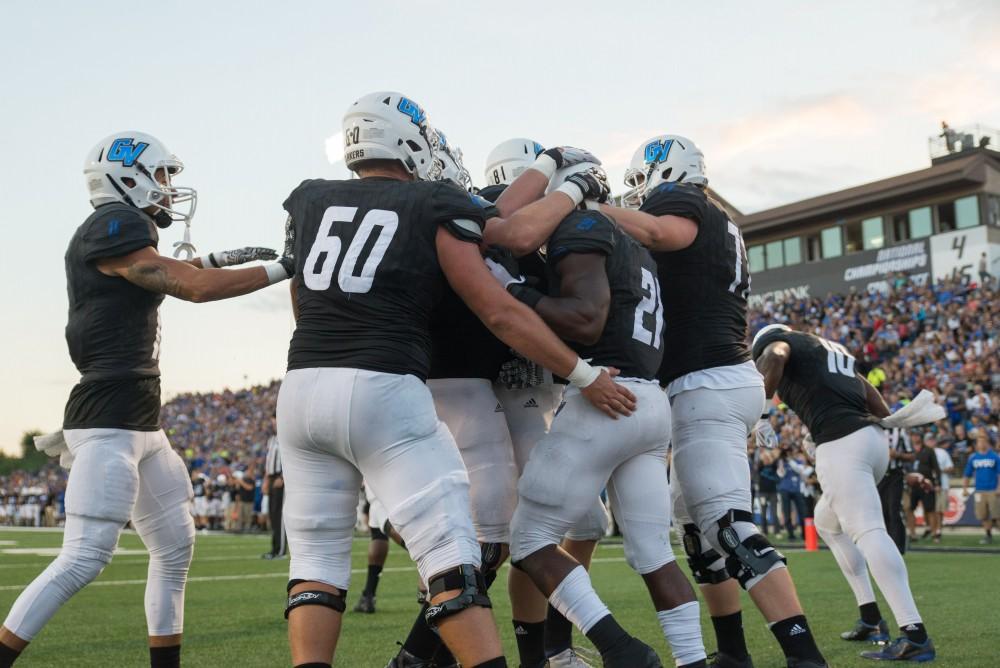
pixel 367 269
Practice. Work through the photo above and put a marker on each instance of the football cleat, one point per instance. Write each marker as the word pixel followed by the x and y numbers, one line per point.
pixel 567 658
pixel 903 649
pixel 365 604
pixel 633 654
pixel 868 633
pixel 721 660
pixel 406 660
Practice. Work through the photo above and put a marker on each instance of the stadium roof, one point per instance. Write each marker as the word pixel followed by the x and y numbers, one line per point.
pixel 964 169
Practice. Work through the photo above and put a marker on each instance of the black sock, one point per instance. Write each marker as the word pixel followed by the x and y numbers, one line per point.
pixel 443 655
pixel 870 613
pixel 915 632
pixel 7 656
pixel 700 663
pixel 530 637
pixel 796 639
pixel 314 664
pixel 498 662
pixel 165 657
pixel 729 635
pixel 607 634
pixel 558 632
pixel 422 641
pixel 371 584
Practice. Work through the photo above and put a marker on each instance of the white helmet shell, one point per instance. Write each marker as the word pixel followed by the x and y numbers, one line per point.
pixel 388 126
pixel 448 163
pixel 508 159
pixel 123 168
pixel 776 327
pixel 663 159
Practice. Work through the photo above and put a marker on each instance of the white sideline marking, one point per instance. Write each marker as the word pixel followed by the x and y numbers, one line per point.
pixel 54 551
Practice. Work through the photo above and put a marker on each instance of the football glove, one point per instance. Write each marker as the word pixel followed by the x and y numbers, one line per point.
pixel 567 156
pixel 593 184
pixel 764 435
pixel 237 256
pixel 503 266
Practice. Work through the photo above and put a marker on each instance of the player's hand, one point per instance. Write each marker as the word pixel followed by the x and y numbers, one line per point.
pixel 608 396
pixel 237 256
pixel 593 184
pixel 567 156
pixel 503 267
pixel 764 434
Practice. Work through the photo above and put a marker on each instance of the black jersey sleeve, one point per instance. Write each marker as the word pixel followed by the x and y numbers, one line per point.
pixel 771 337
pixel 492 193
pixel 678 199
pixel 581 232
pixel 459 212
pixel 119 230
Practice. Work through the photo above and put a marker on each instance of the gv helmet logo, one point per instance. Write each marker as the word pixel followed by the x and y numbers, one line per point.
pixel 411 109
pixel 658 151
pixel 125 151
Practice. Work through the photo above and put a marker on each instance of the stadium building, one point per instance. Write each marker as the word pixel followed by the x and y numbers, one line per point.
pixel 929 224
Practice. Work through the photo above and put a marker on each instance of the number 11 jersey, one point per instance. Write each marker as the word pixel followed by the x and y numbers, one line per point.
pixel 367 270
pixel 705 286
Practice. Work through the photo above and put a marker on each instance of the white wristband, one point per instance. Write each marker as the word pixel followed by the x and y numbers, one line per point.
pixel 572 191
pixel 211 261
pixel 545 164
pixel 583 374
pixel 275 273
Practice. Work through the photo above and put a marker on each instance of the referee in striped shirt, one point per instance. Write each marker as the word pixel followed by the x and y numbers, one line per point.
pixel 890 488
pixel 274 488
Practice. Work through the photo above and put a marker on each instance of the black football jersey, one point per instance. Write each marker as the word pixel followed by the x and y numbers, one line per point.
pixel 461 345
pixel 821 385
pixel 113 329
pixel 632 338
pixel 705 286
pixel 369 278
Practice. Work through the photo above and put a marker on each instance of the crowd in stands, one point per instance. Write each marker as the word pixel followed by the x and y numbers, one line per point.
pixel 943 338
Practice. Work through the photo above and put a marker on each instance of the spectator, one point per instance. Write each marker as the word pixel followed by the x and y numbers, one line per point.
pixel 926 465
pixel 984 465
pixel 946 466
pixel 790 489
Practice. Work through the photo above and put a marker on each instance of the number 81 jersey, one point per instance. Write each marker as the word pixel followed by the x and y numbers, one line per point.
pixel 367 269
pixel 820 385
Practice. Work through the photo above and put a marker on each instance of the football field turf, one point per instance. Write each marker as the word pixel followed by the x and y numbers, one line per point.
pixel 235 601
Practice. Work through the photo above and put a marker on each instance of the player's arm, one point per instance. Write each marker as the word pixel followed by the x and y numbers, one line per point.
pixel 231 258
pixel 657 233
pixel 156 273
pixel 771 365
pixel 874 400
pixel 293 289
pixel 580 311
pixel 520 327
pixel 531 184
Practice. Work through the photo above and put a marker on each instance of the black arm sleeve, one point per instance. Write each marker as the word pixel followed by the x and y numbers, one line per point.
pixel 581 232
pixel 120 230
pixel 678 199
pixel 459 212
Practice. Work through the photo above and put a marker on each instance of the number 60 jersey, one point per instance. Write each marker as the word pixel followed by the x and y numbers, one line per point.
pixel 366 261
pixel 820 385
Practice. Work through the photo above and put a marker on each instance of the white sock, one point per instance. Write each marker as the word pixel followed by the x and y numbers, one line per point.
pixel 889 571
pixel 852 565
pixel 576 599
pixel 682 629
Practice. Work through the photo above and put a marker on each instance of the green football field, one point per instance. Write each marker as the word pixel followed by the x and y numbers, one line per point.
pixel 235 601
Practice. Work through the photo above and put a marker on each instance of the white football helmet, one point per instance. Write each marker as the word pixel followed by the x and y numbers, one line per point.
pixel 389 126
pixel 663 159
pixel 123 168
pixel 448 163
pixel 776 327
pixel 506 162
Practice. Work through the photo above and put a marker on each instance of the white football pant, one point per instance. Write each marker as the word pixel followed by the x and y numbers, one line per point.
pixel 849 518
pixel 585 451
pixel 118 474
pixel 336 425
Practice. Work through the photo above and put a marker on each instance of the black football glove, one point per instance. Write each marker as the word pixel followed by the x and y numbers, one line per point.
pixel 593 184
pixel 504 268
pixel 237 256
pixel 567 156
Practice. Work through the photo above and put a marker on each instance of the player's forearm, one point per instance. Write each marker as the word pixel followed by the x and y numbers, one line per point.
pixel 771 367
pixel 529 227
pixel 572 319
pixel 293 288
pixel 196 285
pixel 638 225
pixel 523 330
pixel 526 188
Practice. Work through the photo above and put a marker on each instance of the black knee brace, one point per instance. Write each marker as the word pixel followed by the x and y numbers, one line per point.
pixel 377 534
pixel 752 556
pixel 314 597
pixel 700 561
pixel 472 588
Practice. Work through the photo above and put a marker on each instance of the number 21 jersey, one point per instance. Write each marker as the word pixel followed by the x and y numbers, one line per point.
pixel 367 269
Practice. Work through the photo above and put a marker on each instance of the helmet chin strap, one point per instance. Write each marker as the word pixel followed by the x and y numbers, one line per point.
pixel 185 247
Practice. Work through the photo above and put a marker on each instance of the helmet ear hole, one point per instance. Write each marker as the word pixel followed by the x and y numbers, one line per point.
pixel 665 174
pixel 414 146
pixel 130 182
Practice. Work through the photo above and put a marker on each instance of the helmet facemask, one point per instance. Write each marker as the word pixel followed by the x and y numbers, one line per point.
pixel 447 164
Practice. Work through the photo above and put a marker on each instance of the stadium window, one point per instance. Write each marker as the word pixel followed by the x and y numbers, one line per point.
pixel 812 248
pixel 900 228
pixel 966 212
pixel 831 242
pixel 872 233
pixel 755 255
pixel 775 258
pixel 920 223
pixel 993 210
pixel 946 216
pixel 852 236
pixel 793 251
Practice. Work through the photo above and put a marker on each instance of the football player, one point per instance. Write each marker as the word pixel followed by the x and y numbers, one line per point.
pixel 123 467
pixel 530 399
pixel 603 297
pixel 354 403
pixel 816 378
pixel 715 392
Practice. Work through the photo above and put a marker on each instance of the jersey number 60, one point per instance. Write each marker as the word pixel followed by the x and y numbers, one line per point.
pixel 322 259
